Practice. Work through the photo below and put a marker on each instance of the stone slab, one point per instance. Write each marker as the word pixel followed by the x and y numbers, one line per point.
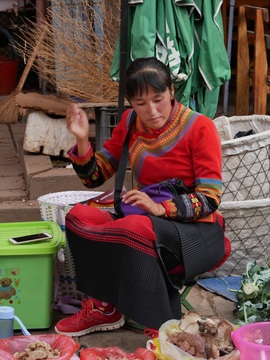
pixel 4 131
pixel 11 169
pixel 6 161
pixel 53 180
pixel 6 144
pixel 8 153
pixel 36 164
pixel 64 179
pixel 19 211
pixel 4 134
pixel 11 183
pixel 12 194
pixel 18 129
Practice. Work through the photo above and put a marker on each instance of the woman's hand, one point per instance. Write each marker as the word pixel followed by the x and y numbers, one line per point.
pixel 78 125
pixel 144 202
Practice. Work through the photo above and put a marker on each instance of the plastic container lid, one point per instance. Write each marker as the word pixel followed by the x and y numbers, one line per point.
pixel 8 230
pixel 6 312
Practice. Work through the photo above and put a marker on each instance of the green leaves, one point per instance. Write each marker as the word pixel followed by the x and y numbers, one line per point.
pixel 253 297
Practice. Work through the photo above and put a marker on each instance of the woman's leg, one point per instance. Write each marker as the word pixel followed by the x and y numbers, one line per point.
pixel 116 261
pixel 95 314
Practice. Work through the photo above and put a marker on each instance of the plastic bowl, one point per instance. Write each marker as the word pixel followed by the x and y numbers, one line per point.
pixel 253 341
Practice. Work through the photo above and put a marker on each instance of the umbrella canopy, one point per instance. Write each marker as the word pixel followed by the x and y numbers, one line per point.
pixel 186 35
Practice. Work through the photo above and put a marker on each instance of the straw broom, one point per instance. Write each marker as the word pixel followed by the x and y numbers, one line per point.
pixel 80 44
pixel 9 111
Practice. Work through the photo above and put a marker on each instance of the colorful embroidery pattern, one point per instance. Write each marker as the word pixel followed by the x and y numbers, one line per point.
pixel 160 142
pixel 171 208
pixel 83 160
pixel 211 187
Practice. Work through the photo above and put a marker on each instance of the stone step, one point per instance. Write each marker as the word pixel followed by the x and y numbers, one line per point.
pixel 19 211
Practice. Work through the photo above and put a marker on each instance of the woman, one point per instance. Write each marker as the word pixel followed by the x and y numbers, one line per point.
pixel 136 265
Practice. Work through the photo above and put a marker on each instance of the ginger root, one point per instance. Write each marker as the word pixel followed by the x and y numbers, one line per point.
pixel 38 350
pixel 191 343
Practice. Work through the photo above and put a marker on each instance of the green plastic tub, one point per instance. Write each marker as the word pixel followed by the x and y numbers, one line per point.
pixel 28 272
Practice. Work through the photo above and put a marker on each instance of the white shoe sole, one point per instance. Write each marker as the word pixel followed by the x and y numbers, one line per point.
pixel 103 327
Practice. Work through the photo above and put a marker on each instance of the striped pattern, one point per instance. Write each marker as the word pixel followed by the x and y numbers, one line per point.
pixel 117 262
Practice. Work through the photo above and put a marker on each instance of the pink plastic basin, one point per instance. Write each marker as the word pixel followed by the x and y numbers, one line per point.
pixel 253 341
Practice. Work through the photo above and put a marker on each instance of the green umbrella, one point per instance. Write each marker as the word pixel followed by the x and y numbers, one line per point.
pixel 212 62
pixel 188 37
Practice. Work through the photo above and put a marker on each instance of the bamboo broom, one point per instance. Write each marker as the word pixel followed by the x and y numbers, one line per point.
pixel 9 111
pixel 77 58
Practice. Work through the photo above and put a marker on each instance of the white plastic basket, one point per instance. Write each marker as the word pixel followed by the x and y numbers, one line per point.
pixel 247 226
pixel 54 207
pixel 246 165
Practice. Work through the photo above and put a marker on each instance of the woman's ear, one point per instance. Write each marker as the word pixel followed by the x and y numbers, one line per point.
pixel 172 92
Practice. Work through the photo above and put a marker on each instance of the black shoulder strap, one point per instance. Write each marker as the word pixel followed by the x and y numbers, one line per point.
pixel 121 172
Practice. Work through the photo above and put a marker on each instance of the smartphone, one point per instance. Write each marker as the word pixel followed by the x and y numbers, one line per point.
pixel 26 239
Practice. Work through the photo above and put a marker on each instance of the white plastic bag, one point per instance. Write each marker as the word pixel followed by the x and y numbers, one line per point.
pixel 165 350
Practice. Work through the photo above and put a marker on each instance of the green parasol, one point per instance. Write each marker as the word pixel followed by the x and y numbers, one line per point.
pixel 187 36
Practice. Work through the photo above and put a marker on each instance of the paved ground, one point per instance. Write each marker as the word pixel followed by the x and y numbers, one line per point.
pixel 128 339
pixel 20 172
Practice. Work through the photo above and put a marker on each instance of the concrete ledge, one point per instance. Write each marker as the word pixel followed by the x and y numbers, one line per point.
pixel 41 178
pixel 19 211
pixel 54 180
pixel 63 179
pixel 32 164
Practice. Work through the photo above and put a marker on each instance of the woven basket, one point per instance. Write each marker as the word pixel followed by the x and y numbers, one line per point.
pixel 246 166
pixel 54 207
pixel 247 226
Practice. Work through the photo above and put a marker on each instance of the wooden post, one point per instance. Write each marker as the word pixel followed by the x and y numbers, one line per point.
pixel 242 72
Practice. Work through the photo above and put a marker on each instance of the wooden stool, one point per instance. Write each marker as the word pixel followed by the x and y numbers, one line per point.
pixel 252 70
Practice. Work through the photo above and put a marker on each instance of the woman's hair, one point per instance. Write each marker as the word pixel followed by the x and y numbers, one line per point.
pixel 144 73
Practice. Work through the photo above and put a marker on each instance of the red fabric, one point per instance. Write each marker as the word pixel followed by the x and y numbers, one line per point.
pixel 187 148
pixel 179 269
pixel 136 233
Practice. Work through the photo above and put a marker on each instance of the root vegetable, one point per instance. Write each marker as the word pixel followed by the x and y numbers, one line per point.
pixel 193 343
pixel 203 337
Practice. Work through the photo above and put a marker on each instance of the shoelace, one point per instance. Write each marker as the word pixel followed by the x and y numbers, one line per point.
pixel 85 313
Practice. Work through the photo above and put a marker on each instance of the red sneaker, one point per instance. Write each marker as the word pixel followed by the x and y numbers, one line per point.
pixel 89 320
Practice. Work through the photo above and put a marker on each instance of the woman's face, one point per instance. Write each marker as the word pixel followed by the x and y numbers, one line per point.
pixel 153 108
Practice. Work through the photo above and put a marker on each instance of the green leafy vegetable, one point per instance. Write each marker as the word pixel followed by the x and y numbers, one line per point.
pixel 253 297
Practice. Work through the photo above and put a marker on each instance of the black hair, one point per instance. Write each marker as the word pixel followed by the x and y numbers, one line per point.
pixel 144 73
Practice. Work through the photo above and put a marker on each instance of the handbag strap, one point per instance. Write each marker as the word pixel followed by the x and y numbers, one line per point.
pixel 121 171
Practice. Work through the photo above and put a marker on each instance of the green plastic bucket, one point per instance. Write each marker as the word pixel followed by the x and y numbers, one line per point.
pixel 27 272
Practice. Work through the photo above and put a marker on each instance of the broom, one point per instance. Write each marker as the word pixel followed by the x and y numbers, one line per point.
pixel 9 111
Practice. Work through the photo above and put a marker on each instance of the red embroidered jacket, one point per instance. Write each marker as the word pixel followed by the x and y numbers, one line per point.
pixel 187 147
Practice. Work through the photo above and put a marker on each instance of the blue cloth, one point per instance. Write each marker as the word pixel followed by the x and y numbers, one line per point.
pixel 222 285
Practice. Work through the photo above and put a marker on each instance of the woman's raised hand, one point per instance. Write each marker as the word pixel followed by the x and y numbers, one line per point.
pixel 78 125
pixel 77 122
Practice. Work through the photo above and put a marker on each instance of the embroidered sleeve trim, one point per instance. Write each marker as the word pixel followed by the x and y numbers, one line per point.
pixel 189 207
pixel 171 208
pixel 82 160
